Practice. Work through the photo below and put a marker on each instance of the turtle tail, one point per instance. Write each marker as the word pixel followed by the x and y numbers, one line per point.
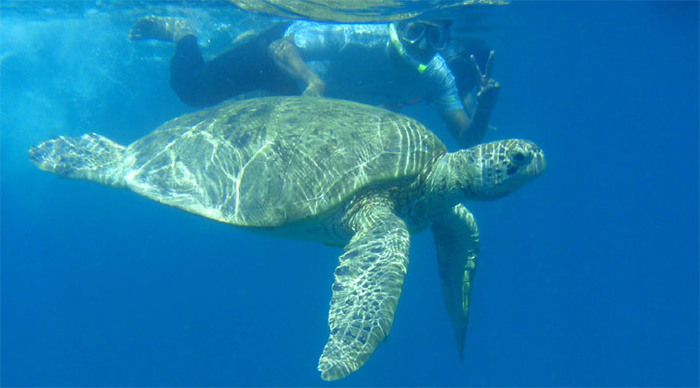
pixel 91 157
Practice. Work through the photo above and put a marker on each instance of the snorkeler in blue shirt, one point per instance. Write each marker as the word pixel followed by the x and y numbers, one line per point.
pixel 386 64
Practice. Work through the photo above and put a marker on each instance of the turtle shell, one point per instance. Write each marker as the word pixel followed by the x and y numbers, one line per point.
pixel 268 161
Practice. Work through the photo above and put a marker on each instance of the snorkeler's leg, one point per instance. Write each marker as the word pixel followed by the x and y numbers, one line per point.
pixel 286 55
pixel 187 64
pixel 245 68
pixel 201 83
pixel 188 74
pixel 249 67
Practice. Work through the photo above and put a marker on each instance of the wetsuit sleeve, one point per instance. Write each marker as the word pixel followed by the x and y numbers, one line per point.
pixel 444 94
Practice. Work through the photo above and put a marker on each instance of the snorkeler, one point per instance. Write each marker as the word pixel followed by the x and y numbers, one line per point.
pixel 391 65
pixel 386 64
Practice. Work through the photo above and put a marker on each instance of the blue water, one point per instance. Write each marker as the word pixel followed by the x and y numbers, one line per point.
pixel 588 276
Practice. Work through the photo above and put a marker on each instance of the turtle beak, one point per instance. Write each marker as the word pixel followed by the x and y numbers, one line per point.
pixel 535 167
pixel 539 163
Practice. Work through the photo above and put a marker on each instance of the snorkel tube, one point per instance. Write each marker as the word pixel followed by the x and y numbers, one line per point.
pixel 410 59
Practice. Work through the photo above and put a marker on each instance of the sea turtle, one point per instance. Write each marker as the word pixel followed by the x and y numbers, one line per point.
pixel 334 171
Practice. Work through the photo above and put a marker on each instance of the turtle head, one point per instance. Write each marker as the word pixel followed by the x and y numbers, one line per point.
pixel 496 169
pixel 488 171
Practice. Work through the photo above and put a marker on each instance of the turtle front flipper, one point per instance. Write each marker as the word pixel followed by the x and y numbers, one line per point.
pixel 457 239
pixel 92 157
pixel 366 290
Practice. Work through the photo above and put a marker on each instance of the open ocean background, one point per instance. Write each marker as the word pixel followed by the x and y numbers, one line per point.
pixel 587 277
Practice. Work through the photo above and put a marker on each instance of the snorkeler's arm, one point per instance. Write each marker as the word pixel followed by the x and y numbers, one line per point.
pixel 286 55
pixel 469 125
pixel 466 131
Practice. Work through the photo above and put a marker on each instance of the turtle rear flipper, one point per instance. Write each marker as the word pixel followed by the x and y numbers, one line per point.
pixel 91 157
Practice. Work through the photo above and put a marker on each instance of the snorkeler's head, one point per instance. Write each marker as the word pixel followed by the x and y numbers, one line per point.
pixel 423 38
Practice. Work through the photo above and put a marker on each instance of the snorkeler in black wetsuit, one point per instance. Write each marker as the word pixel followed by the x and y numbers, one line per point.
pixel 245 68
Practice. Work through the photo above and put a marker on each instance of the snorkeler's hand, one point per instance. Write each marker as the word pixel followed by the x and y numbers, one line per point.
pixel 315 88
pixel 488 88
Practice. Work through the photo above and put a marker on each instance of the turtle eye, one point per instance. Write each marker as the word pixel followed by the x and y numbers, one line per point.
pixel 518 157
